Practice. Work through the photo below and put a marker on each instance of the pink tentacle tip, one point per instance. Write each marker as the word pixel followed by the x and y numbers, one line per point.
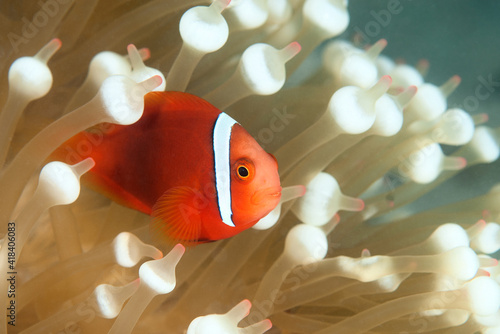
pixel 378 45
pixel 222 4
pixel 382 42
pixel 56 41
pixel 296 46
pixel 405 97
pixel 265 325
pixel 366 253
pixel 361 205
pixel 386 79
pixel 423 62
pixel 48 50
pixel 423 65
pixel 481 118
pixel 131 47
pixel 152 83
pixel 400 61
pixel 357 39
pixel 179 247
pixel 158 80
pixel 456 79
pixel 290 51
pixel 145 53
pixel 303 190
pixel 483 273
pixel 481 223
pixel 248 305
pixel 462 162
pixel 412 89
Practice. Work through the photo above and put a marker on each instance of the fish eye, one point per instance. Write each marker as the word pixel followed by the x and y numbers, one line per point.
pixel 243 172
pixel 244 169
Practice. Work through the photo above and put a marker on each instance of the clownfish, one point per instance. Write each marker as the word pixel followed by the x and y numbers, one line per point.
pixel 199 174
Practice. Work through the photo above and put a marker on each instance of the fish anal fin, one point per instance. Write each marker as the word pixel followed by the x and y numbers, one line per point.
pixel 177 217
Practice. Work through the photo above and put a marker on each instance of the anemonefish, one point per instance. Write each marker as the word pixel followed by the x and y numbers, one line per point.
pixel 199 174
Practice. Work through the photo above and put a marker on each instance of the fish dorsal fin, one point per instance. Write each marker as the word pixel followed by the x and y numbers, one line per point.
pixel 176 217
pixel 177 101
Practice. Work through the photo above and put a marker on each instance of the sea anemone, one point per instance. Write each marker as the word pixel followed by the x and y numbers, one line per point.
pixel 379 243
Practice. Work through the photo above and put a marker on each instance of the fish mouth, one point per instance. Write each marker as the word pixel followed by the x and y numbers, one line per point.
pixel 267 194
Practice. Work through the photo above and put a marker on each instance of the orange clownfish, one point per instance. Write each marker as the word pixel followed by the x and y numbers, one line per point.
pixel 194 169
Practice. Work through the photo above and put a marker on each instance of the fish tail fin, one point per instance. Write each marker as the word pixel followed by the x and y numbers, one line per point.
pixel 176 218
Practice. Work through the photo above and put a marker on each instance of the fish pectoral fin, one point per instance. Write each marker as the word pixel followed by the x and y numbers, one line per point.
pixel 177 217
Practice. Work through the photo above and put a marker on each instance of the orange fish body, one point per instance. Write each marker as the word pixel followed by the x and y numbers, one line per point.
pixel 199 174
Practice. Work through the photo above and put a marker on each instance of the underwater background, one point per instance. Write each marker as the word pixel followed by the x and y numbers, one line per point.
pixel 456 37
pixel 337 275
